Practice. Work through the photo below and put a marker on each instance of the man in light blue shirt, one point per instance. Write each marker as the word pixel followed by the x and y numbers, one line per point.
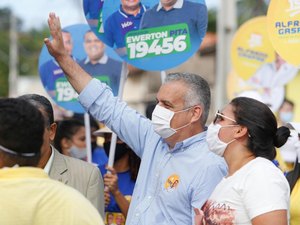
pixel 178 172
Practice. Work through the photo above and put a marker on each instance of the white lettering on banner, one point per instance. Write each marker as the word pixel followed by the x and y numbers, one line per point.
pixel 146 37
pixel 169 44
pixel 58 71
pixel 126 24
pixel 65 92
pixel 294 7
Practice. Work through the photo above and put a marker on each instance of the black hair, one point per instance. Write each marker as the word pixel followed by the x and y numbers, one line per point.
pixel 293 175
pixel 66 129
pixel 134 165
pixel 261 123
pixel 149 109
pixel 21 130
pixel 43 104
pixel 93 122
pixel 288 102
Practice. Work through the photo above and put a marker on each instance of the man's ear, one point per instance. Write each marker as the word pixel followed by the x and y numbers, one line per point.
pixel 197 113
pixel 52 131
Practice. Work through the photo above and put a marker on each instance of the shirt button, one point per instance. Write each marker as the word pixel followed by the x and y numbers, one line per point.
pixel 137 214
pixel 149 197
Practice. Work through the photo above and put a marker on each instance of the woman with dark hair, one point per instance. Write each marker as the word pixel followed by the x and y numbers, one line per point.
pixel 70 138
pixel 120 180
pixel 293 178
pixel 255 191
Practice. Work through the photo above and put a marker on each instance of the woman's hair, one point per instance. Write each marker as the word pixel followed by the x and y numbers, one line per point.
pixel 261 123
pixel 66 129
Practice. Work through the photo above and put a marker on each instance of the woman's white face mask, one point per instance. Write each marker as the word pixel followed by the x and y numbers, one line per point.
pixel 161 120
pixel 212 137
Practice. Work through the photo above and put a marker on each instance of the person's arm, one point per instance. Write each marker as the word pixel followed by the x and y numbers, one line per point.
pixel 111 181
pixel 277 217
pixel 77 77
pixel 97 98
pixel 204 184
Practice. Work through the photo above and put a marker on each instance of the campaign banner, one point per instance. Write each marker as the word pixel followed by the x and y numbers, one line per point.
pixel 158 41
pixel 91 54
pixel 251 47
pixel 259 71
pixel 151 34
pixel 283 25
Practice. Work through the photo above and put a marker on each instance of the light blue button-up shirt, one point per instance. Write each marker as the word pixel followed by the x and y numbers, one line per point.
pixel 171 182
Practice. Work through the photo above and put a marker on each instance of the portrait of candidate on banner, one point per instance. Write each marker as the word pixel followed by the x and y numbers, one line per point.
pixel 154 34
pixel 88 51
pixel 263 72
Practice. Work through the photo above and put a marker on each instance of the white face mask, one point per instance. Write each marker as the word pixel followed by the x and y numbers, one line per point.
pixel 214 143
pixel 161 120
pixel 78 153
pixel 286 116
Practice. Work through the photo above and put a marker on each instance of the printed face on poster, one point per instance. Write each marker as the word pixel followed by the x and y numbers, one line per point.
pixel 260 71
pixel 91 54
pixel 151 34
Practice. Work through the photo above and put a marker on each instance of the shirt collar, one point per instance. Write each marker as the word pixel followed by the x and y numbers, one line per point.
pixel 189 141
pixel 22 172
pixel 177 5
pixel 124 14
pixel 49 163
pixel 102 60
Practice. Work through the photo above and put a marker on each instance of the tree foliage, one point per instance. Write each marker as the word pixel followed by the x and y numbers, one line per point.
pixel 246 9
pixel 29 46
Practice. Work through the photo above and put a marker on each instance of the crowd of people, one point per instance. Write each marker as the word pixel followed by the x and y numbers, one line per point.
pixel 171 169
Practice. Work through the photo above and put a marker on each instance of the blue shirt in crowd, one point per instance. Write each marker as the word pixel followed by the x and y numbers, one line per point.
pixel 126 186
pixel 171 182
pixel 191 13
pixel 50 71
pixel 118 24
pixel 107 70
pixel 92 8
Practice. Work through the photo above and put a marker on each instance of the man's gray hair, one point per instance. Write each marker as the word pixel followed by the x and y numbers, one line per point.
pixel 198 92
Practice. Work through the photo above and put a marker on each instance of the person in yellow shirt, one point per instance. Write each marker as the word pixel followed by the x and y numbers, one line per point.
pixel 27 195
pixel 294 181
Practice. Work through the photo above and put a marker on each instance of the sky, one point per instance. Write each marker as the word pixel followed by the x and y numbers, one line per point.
pixel 34 13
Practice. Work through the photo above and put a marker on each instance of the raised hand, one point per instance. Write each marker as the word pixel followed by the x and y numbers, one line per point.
pixel 55 45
